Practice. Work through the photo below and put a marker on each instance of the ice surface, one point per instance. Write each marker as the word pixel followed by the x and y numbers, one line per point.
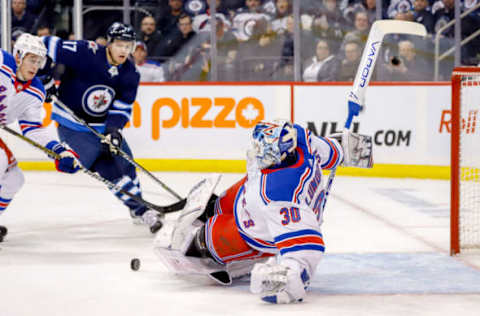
pixel 70 244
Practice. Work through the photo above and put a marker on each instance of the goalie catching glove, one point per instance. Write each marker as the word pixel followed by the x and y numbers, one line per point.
pixel 67 161
pixel 281 283
pixel 357 149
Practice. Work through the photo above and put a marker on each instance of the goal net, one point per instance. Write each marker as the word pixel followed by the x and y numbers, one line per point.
pixel 465 160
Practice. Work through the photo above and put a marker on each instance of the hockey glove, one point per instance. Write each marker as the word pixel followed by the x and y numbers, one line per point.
pixel 50 88
pixel 279 283
pixel 113 141
pixel 68 160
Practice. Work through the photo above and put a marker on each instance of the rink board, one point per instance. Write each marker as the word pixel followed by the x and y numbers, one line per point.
pixel 190 127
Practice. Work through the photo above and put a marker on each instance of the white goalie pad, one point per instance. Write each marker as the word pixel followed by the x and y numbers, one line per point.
pixel 357 149
pixel 178 263
pixel 179 234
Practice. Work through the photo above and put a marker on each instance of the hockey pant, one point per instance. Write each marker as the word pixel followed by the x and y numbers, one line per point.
pixel 221 233
pixel 111 167
pixel 11 177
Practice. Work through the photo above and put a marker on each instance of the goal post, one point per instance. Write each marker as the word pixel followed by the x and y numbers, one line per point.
pixel 465 160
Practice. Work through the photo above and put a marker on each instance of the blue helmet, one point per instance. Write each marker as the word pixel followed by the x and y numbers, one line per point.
pixel 121 31
pixel 273 141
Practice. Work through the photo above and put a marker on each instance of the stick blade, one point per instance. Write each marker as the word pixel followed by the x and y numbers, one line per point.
pixel 400 27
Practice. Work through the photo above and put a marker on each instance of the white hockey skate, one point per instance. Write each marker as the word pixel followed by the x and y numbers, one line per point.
pixel 150 218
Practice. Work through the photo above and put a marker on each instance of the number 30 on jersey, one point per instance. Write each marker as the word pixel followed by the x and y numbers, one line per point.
pixel 290 215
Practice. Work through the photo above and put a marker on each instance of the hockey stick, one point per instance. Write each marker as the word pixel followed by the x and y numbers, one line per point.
pixel 120 151
pixel 161 209
pixel 356 97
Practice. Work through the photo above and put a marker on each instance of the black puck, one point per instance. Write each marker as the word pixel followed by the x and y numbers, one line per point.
pixel 135 264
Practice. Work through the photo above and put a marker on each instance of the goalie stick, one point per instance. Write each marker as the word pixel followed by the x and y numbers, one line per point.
pixel 161 209
pixel 356 97
pixel 120 151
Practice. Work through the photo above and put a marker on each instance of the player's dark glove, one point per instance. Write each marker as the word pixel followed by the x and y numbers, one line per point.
pixel 68 160
pixel 50 88
pixel 113 140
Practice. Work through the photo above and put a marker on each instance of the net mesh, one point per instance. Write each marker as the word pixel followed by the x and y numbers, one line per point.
pixel 469 163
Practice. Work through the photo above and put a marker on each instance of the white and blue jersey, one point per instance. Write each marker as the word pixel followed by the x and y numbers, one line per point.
pixel 279 210
pixel 96 91
pixel 22 101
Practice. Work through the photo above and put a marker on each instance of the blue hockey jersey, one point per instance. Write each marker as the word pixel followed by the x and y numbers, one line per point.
pixel 95 90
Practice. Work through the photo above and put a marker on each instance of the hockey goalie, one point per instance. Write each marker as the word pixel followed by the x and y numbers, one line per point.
pixel 268 224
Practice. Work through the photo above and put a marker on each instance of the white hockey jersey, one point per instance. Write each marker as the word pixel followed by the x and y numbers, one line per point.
pixel 281 210
pixel 22 101
pixel 150 72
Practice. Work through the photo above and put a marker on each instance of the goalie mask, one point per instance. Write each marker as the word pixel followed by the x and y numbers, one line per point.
pixel 28 43
pixel 273 141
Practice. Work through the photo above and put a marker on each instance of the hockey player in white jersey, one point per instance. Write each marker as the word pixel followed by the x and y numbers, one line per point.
pixel 274 213
pixel 21 99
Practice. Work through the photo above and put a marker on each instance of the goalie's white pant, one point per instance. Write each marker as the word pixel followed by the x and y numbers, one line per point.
pixel 11 177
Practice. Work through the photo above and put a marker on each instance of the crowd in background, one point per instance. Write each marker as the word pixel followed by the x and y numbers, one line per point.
pixel 255 38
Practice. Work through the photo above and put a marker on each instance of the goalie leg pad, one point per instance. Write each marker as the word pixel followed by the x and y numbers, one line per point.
pixel 188 223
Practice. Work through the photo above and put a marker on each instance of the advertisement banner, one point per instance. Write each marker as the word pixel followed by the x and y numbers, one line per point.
pixel 189 121
pixel 403 120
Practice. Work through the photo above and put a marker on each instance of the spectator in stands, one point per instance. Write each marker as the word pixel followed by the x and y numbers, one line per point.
pixel 243 22
pixel 323 66
pixel 196 65
pixel 258 58
pixel 360 32
pixel 406 67
pixel 349 65
pixel 406 15
pixel 150 71
pixel 201 22
pixel 43 30
pixel 285 69
pixel 283 10
pixel 44 12
pixel 227 50
pixel 422 15
pixel 399 6
pixel 16 33
pixel 368 6
pixel 175 40
pixel 20 16
pixel 311 7
pixel 231 6
pixel 150 36
pixel 329 25
pixel 169 19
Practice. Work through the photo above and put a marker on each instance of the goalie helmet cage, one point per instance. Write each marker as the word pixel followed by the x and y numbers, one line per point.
pixel 465 161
